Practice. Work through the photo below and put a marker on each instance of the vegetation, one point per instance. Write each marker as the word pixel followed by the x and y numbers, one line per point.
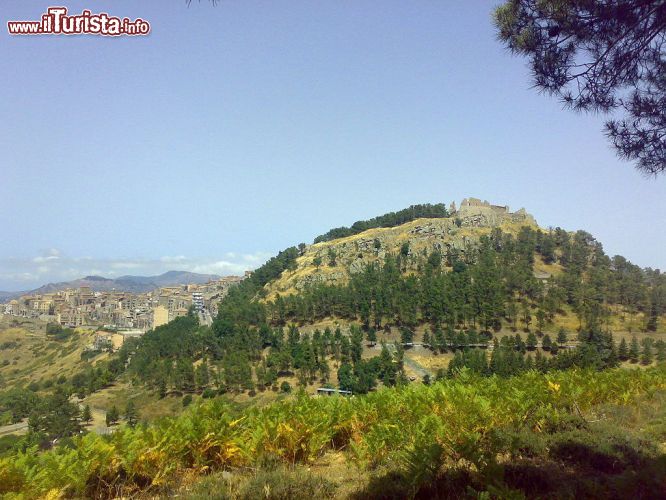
pixel 57 332
pixel 390 219
pixel 463 428
pixel 487 287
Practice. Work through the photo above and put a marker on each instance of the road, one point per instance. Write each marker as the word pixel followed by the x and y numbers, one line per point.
pixel 98 425
pixel 205 317
pixel 13 428
pixel 415 366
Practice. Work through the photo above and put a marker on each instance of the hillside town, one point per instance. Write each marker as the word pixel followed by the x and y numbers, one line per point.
pixel 120 310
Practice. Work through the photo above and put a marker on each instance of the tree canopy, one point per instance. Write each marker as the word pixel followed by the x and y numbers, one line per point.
pixel 390 219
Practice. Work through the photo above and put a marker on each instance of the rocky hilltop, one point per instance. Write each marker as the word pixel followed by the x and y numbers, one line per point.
pixel 458 232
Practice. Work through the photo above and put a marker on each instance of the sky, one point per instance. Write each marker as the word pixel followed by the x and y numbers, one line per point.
pixel 232 132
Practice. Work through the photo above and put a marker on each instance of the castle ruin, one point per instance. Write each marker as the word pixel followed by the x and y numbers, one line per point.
pixel 474 212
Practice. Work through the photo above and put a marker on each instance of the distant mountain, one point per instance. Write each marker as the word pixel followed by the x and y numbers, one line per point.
pixel 133 284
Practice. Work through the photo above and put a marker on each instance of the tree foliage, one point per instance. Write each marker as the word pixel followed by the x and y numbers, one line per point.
pixel 599 56
pixel 390 219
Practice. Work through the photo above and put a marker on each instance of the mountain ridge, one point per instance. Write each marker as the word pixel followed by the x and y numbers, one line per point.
pixel 127 283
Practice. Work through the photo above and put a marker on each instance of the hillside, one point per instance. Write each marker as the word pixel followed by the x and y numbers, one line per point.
pixel 477 266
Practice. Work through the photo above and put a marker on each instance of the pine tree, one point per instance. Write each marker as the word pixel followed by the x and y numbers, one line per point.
pixel 426 339
pixel 623 350
pixel 562 336
pixel 112 416
pixel 371 336
pixel 406 335
pixel 519 344
pixel 512 313
pixel 541 320
pixel 162 387
pixel 540 362
pixel 647 356
pixel 387 369
pixel 131 414
pixel 529 362
pixel 661 350
pixel 356 344
pixel 439 341
pixel 546 342
pixel 86 416
pixel 531 341
pixel 634 351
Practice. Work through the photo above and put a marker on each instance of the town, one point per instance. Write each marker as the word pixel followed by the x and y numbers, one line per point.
pixel 130 313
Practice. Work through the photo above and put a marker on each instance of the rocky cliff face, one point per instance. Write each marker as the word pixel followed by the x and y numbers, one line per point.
pixel 461 231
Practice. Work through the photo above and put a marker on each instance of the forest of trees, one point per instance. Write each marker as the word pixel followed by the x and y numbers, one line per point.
pixel 490 287
pixel 462 299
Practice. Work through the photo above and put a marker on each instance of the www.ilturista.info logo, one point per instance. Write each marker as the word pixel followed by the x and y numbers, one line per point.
pixel 57 22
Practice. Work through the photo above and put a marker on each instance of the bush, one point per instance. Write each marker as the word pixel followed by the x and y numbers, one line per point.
pixel 209 393
pixel 601 449
pixel 286 484
pixel 285 386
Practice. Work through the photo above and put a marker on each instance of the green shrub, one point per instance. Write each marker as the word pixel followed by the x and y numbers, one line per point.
pixel 286 484
pixel 209 393
pixel 600 448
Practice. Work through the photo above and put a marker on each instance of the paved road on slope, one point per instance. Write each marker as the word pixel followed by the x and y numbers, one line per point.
pixel 97 426
pixel 12 428
pixel 205 317
pixel 417 367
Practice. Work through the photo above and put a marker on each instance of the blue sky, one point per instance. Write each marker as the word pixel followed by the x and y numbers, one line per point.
pixel 234 131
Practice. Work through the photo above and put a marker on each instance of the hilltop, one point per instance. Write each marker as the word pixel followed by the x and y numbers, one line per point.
pixel 452 231
pixel 477 266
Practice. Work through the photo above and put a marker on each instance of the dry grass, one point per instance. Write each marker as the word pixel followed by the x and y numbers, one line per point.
pixel 33 357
